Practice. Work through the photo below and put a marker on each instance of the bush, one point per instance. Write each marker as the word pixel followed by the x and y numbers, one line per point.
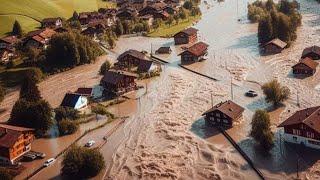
pixel 80 163
pixel 67 127
pixel 66 113
pixel 261 131
pixel 275 93
pixel 105 67
pixel 2 93
pixel 35 74
pixel 5 174
pixel 29 89
pixel 99 110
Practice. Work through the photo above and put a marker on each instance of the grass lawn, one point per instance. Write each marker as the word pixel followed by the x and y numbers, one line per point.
pixel 27 24
pixel 40 9
pixel 169 31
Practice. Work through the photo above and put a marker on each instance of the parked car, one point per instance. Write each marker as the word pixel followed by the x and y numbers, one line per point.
pixel 38 154
pixel 90 143
pixel 49 162
pixel 251 93
pixel 29 157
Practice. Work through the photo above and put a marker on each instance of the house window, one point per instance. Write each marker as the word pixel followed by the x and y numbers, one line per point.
pixel 310 135
pixel 218 114
pixel 225 121
pixel 218 119
pixel 296 132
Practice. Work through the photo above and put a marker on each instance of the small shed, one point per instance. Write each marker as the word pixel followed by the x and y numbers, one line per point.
pixel 312 52
pixel 274 46
pixel 164 50
pixel 305 66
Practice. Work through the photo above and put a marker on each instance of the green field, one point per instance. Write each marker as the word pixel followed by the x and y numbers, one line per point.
pixel 40 9
pixel 168 31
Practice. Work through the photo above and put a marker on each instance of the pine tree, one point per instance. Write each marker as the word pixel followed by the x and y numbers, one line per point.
pixel 16 29
pixel 29 89
pixel 265 30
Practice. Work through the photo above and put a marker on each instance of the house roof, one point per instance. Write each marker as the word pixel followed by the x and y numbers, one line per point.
pixel 114 77
pixel 164 50
pixel 134 53
pixel 84 91
pixel 308 62
pixel 228 108
pixel 312 49
pixel 189 31
pixel 70 100
pixel 277 42
pixel 10 134
pixel 197 49
pixel 44 33
pixel 10 39
pixel 309 117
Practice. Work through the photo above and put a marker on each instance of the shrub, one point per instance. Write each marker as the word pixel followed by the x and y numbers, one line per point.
pixel 35 74
pixel 99 110
pixel 66 113
pixel 80 162
pixel 67 127
pixel 275 93
pixel 261 131
pixel 105 67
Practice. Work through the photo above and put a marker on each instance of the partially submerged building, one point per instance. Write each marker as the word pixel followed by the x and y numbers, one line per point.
pixel 75 101
pixel 274 46
pixel 196 52
pixel 305 66
pixel 303 127
pixel 131 58
pixel 223 114
pixel 186 36
pixel 118 82
pixel 312 52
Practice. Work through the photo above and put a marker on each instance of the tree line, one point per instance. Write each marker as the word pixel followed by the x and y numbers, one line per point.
pixel 275 20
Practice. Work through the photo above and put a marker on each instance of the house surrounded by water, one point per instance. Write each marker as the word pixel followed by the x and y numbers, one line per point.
pixel 187 36
pixel 118 82
pixel 274 46
pixel 303 127
pixel 305 66
pixel 312 52
pixel 195 53
pixel 223 114
pixel 75 101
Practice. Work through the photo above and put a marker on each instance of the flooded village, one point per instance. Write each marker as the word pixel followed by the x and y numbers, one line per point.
pixel 180 107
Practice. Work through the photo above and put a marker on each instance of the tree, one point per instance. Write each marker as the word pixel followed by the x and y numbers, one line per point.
pixel 119 28
pixel 66 113
pixel 99 110
pixel 170 20
pixel 182 13
pixel 29 89
pixel 16 29
pixel 5 174
pixel 37 115
pixel 275 93
pixel 2 93
pixel 188 5
pixel 80 162
pixel 67 127
pixel 75 16
pixel 105 67
pixel 32 54
pixel 284 28
pixel 265 30
pixel 62 50
pixel 35 74
pixel 176 18
pixel 260 129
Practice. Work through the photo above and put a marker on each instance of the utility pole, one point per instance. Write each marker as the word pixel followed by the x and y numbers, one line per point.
pixel 151 50
pixel 298 100
pixel 231 89
pixel 211 100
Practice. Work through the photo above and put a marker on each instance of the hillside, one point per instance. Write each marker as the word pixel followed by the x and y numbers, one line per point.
pixel 40 9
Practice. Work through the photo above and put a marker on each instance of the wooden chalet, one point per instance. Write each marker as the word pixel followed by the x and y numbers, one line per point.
pixel 303 127
pixel 118 82
pixel 86 17
pixel 186 36
pixel 305 66
pixel 274 46
pixel 156 10
pixel 138 4
pixel 164 50
pixel 223 114
pixel 7 54
pixel 312 52
pixel 14 143
pixel 38 38
pixel 196 52
pixel 51 22
pixel 131 58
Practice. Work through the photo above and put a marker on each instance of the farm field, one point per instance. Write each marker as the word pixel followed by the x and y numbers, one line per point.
pixel 27 12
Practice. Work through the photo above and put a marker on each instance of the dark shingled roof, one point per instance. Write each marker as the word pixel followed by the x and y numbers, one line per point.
pixel 134 53
pixel 228 108
pixel 309 117
pixel 50 20
pixel 84 91
pixel 308 62
pixel 144 66
pixel 70 100
pixel 164 50
pixel 197 49
pixel 189 31
pixel 312 49
pixel 114 77
pixel 10 39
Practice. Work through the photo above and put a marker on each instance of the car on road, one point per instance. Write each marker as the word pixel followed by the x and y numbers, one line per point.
pixel 90 143
pixel 49 162
pixel 29 157
pixel 251 93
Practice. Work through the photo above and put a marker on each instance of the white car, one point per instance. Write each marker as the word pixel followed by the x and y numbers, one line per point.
pixel 49 162
pixel 90 143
